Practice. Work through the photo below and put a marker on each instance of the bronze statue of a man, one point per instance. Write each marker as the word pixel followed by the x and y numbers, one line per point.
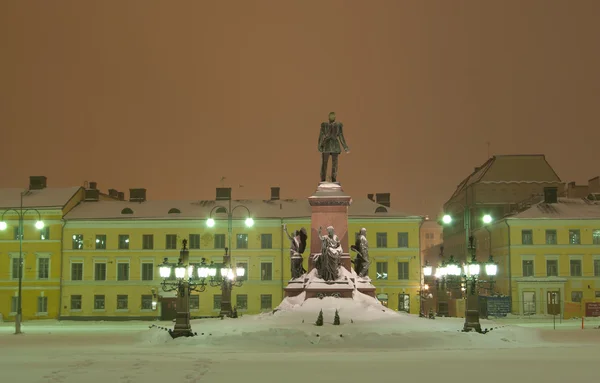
pixel 329 145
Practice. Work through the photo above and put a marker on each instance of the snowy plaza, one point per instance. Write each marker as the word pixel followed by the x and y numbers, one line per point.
pixel 372 342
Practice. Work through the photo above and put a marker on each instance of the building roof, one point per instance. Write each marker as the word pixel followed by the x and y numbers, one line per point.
pixel 289 208
pixel 521 168
pixel 566 208
pixel 39 198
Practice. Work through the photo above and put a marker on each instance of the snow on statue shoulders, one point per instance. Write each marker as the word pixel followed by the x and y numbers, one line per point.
pixel 328 262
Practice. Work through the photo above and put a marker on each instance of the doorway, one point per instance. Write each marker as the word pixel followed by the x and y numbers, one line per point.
pixel 168 309
pixel 404 302
pixel 553 303
pixel 528 303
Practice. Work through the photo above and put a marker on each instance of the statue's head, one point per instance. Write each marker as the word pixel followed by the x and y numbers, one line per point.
pixel 330 230
pixel 332 117
pixel 363 231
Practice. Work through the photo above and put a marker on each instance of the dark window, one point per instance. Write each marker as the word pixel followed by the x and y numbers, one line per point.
pixel 77 241
pixel 127 211
pixel 241 241
pixel 77 271
pixel 596 237
pixel 382 270
pixel 402 270
pixel 596 267
pixel 241 302
pixel 576 296
pixel 147 241
pixel 75 302
pixel 216 302
pixel 381 239
pixel 552 268
pixel 527 237
pixel 100 271
pixel 15 268
pixel 148 271
pixel 404 302
pixel 194 241
pixel 171 242
pixel 43 268
pixel 266 301
pixel 101 242
pixel 123 271
pixel 219 241
pixel 14 302
pixel 194 302
pixel 17 234
pixel 402 240
pixel 266 271
pixel 174 211
pixel 45 233
pixel 99 302
pixel 574 237
pixel 123 241
pixel 575 267
pixel 122 302
pixel 528 268
pixel 147 302
pixel 551 237
pixel 42 306
pixel 266 241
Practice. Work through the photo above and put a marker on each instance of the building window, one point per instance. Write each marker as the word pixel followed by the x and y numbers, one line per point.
pixel 245 266
pixel 100 242
pixel 550 237
pixel 527 237
pixel 45 233
pixel 77 271
pixel 194 241
pixel 123 241
pixel 171 242
pixel 382 270
pixel 42 306
pixel 596 267
pixel 195 302
pixel 99 302
pixel 266 271
pixel 122 302
pixel 216 302
pixel 77 241
pixel 147 302
pixel 219 241
pixel 596 237
pixel 43 268
pixel 266 241
pixel 576 296
pixel 123 271
pixel 266 301
pixel 75 302
pixel 575 267
pixel 402 270
pixel 14 303
pixel 381 239
pixel 403 239
pixel 17 234
pixel 241 302
pixel 100 271
pixel 574 237
pixel 147 241
pixel 148 271
pixel 241 241
pixel 404 303
pixel 528 268
pixel 552 268
pixel 15 268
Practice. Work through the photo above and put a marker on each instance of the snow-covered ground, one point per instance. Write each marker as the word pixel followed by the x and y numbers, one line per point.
pixel 372 342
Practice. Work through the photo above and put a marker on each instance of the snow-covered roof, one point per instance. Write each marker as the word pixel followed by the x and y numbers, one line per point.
pixel 288 208
pixel 566 208
pixel 42 198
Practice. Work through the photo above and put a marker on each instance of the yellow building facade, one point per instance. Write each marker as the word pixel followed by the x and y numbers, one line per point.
pixel 40 248
pixel 112 250
pixel 548 256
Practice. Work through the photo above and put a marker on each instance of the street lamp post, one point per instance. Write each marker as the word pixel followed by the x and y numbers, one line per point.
pixel 229 274
pixel 184 283
pixel 38 225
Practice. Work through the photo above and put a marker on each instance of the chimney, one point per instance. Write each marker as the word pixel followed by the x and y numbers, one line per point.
pixel 113 193
pixel 594 185
pixel 121 196
pixel 137 195
pixel 37 182
pixel 93 185
pixel 223 194
pixel 275 193
pixel 550 194
pixel 92 195
pixel 383 199
pixel 370 196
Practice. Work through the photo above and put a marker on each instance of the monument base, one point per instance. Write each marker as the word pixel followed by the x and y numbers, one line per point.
pixel 343 287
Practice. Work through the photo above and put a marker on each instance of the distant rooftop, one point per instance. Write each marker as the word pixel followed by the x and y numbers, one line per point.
pixel 565 208
pixel 40 198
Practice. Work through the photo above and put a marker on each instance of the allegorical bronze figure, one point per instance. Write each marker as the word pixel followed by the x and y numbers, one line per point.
pixel 361 247
pixel 329 145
